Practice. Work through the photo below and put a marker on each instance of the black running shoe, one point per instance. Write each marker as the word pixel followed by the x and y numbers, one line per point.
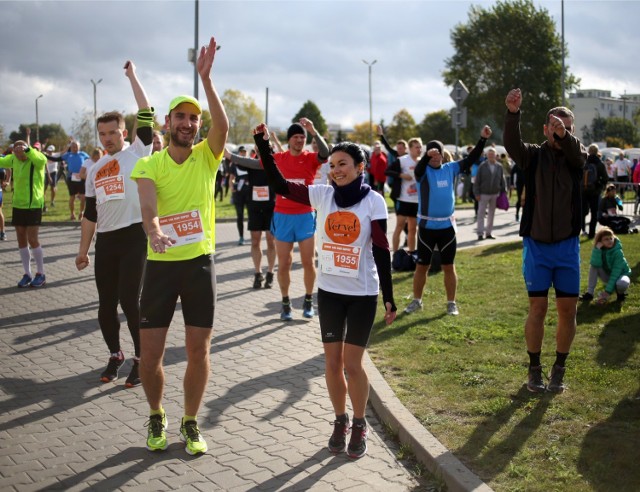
pixel 586 297
pixel 257 280
pixel 268 282
pixel 555 379
pixel 620 297
pixel 338 440
pixel 133 379
pixel 111 372
pixel 535 384
pixel 358 443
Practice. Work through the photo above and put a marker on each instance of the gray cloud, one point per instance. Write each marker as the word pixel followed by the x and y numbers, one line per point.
pixel 300 50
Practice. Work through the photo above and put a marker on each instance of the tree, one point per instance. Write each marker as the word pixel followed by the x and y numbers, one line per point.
pixel 402 126
pixel 437 126
pixel 513 44
pixel 360 133
pixel 243 113
pixel 621 133
pixel 310 111
pixel 50 133
pixel 83 130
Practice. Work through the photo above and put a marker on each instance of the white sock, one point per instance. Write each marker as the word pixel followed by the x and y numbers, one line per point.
pixel 26 260
pixel 38 255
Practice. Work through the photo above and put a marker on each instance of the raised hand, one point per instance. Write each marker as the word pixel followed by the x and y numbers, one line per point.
pixel 514 100
pixel 129 68
pixel 486 131
pixel 206 57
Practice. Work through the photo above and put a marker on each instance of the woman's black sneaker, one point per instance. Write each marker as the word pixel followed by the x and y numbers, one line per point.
pixel 338 440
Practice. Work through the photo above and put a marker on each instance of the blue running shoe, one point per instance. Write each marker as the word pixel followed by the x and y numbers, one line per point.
pixel 307 309
pixel 25 282
pixel 38 281
pixel 285 314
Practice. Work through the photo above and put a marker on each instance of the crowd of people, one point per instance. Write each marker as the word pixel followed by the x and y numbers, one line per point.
pixel 150 210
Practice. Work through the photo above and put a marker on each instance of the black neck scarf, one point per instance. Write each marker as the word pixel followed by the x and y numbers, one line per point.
pixel 348 195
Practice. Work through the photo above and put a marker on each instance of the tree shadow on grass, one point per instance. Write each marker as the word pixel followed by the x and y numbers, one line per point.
pixel 502 248
pixel 610 454
pixel 619 340
pixel 491 459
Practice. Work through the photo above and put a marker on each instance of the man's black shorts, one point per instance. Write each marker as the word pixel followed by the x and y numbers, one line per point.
pixel 26 217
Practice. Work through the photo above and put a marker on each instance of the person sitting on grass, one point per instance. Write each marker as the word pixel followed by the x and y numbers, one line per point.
pixel 609 264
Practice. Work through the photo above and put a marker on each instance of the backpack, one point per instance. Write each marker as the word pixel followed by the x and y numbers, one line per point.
pixel 402 261
pixel 590 176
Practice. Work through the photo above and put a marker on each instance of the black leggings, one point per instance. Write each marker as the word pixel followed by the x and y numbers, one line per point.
pixel 346 318
pixel 241 200
pixel 120 257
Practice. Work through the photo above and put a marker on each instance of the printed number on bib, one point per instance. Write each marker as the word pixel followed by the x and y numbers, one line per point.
pixel 184 228
pixel 340 259
pixel 260 194
pixel 110 188
pixel 75 177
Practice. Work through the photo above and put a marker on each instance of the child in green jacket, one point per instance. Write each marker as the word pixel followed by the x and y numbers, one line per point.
pixel 609 264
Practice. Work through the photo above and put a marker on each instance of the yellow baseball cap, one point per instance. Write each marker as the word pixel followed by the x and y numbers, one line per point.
pixel 176 101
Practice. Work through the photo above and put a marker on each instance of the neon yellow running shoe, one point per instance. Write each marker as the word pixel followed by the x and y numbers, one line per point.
pixel 190 434
pixel 157 437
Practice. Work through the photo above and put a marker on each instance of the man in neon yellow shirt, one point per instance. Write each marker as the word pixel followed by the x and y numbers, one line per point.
pixel 176 190
pixel 28 167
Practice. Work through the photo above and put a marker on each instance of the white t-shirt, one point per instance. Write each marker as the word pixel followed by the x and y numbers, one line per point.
pixel 409 190
pixel 345 254
pixel 116 193
pixel 52 166
pixel 622 167
pixel 322 174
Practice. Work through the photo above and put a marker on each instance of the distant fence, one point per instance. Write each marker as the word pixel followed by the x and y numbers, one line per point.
pixel 629 194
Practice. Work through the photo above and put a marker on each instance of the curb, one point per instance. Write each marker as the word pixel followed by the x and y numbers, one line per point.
pixel 427 449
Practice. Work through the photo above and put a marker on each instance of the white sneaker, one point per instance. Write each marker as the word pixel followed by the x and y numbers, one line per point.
pixel 452 309
pixel 413 306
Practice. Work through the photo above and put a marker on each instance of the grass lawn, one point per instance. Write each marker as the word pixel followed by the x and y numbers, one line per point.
pixel 462 377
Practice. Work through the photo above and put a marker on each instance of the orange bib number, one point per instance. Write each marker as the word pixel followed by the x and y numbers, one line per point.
pixel 184 228
pixel 340 259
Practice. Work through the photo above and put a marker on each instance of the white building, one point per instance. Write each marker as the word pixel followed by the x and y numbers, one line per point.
pixel 588 104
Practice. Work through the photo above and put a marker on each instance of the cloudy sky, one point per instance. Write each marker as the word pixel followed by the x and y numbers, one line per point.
pixel 300 50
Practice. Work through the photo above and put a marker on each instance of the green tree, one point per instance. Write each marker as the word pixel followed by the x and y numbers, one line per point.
pixel 83 130
pixel 437 126
pixel 621 131
pixel 243 113
pixel 310 111
pixel 360 133
pixel 512 44
pixel 402 126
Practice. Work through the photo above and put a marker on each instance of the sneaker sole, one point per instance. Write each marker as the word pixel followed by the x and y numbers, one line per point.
pixel 107 380
pixel 536 390
pixel 158 449
pixel 188 451
pixel 127 384
pixel 356 456
pixel 308 315
pixel 337 450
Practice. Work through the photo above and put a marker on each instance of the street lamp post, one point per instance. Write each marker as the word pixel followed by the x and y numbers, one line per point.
pixel 37 120
pixel 369 65
pixel 95 113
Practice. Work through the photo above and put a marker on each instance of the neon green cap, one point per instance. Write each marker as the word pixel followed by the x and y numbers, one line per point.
pixel 176 101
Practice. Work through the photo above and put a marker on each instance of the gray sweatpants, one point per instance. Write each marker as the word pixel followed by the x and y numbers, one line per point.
pixel 622 284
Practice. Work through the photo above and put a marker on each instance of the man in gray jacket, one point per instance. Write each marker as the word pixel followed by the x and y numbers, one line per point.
pixel 487 186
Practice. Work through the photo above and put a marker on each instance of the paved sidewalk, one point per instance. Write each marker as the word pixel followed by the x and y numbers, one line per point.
pixel 266 414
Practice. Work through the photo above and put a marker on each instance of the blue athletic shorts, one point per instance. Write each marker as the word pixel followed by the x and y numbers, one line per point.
pixel 292 228
pixel 556 264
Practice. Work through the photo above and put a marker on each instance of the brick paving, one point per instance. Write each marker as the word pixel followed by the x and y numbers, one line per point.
pixel 266 414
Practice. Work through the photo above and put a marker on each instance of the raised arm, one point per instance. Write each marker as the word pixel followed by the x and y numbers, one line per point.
pixel 295 191
pixel 476 152
pixel 323 148
pixel 144 123
pixel 238 160
pixel 383 139
pixel 217 136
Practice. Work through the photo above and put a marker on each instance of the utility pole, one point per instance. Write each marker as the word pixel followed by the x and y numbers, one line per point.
pixel 95 113
pixel 370 102
pixel 37 121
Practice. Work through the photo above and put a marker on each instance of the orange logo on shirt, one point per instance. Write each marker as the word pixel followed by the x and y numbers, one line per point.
pixel 342 227
pixel 111 168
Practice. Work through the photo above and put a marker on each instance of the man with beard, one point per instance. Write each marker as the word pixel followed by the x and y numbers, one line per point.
pixel 176 189
pixel 113 210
